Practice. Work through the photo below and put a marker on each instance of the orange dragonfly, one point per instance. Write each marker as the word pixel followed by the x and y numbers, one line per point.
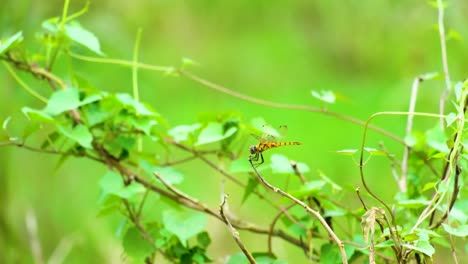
pixel 266 142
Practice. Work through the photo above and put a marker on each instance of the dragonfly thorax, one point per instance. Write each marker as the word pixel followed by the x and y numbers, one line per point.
pixel 253 149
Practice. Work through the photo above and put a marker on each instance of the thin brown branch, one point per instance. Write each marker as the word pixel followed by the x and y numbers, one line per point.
pixel 234 232
pixel 307 208
pixel 443 50
pixel 409 126
pixel 174 190
pixel 48 151
pixel 453 250
pixel 273 223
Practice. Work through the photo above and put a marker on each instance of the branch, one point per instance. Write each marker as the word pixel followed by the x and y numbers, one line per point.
pixel 234 232
pixel 443 49
pixel 409 125
pixel 308 209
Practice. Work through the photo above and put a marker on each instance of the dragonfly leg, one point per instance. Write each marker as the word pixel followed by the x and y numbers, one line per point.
pixel 254 157
pixel 259 155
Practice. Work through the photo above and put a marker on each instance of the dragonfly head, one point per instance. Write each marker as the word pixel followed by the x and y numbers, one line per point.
pixel 253 149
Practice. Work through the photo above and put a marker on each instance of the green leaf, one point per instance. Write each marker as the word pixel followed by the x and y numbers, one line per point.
pixel 411 140
pixel 143 124
pixel 422 246
pixel 112 183
pixel 83 37
pixel 238 258
pixel 204 239
pixel 184 224
pixel 250 188
pixel 169 174
pixel 410 237
pixel 79 134
pixel 458 212
pixel 326 96
pixel 450 118
pixel 458 89
pixel 376 152
pixel 264 258
pixel 385 244
pixel 136 246
pixel 6 122
pixel 429 186
pixel 311 187
pixel 281 164
pixel 329 254
pixel 460 231
pixel 413 203
pixel 130 103
pixel 11 42
pixel 430 75
pixel 61 101
pixel 51 24
pixel 37 115
pixel 347 152
pixel 108 204
pixel 182 132
pixel 437 139
pixel 213 132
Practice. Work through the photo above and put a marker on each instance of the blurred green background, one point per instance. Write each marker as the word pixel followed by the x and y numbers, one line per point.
pixel 366 51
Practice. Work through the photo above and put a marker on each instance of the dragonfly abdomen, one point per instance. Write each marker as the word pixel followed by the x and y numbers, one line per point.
pixel 262 146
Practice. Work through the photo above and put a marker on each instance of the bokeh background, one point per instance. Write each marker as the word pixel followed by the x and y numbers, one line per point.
pixel 366 51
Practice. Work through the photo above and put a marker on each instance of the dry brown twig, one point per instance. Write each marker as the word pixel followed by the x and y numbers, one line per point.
pixel 234 232
pixel 308 209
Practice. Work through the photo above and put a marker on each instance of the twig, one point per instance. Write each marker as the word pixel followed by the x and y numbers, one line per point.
pixel 409 126
pixel 234 232
pixel 455 192
pixel 453 250
pixel 360 199
pixel 55 152
pixel 273 223
pixel 31 227
pixel 176 162
pixel 174 190
pixel 308 209
pixel 443 50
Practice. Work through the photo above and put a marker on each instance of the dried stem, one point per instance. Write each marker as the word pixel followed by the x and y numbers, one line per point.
pixel 409 126
pixel 308 209
pixel 234 232
pixel 443 50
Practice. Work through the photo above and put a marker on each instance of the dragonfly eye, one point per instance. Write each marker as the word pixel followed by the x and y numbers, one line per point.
pixel 253 149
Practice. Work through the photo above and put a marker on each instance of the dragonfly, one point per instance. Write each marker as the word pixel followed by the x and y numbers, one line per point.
pixel 267 141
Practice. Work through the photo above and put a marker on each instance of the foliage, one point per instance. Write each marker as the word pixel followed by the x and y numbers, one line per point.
pixel 111 129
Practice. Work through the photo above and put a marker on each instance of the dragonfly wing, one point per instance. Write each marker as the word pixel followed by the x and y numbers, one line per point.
pixel 257 137
pixel 283 131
